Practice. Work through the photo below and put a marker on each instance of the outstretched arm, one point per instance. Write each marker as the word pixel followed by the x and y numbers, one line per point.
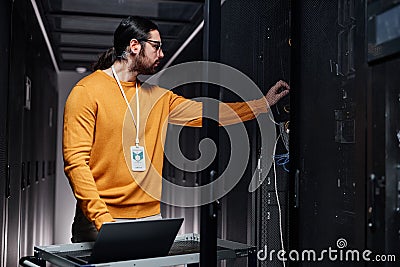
pixel 188 112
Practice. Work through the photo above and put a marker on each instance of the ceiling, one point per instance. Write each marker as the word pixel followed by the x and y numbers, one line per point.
pixel 80 30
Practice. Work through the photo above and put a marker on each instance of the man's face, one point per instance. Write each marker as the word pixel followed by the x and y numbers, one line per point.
pixel 149 56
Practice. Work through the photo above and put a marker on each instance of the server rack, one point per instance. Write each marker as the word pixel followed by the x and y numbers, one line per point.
pixel 4 69
pixel 329 103
pixel 256 41
pixel 31 99
pixel 346 172
pixel 15 105
pixel 383 161
pixel 245 45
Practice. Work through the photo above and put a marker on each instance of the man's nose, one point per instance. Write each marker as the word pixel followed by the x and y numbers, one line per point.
pixel 160 53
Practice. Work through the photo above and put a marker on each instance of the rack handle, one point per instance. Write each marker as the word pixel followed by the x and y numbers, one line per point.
pixel 31 261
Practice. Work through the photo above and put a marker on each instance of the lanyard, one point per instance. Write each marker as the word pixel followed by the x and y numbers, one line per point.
pixel 129 106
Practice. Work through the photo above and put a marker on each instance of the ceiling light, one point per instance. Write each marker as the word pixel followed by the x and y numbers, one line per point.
pixel 81 69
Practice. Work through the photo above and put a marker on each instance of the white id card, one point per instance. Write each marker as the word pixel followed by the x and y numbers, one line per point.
pixel 138 159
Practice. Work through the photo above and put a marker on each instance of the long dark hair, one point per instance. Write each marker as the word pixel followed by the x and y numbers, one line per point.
pixel 133 27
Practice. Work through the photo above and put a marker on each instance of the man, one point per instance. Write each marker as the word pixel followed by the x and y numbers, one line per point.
pixel 115 175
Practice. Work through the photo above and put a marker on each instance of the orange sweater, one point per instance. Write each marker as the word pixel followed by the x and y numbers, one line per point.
pixel 98 132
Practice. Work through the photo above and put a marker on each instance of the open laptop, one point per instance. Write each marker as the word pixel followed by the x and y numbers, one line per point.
pixel 130 240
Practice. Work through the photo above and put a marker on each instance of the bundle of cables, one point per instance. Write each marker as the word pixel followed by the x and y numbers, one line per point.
pixel 282 160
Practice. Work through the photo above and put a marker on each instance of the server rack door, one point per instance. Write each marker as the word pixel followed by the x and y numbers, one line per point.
pixel 32 136
pixel 238 20
pixel 383 161
pixel 392 164
pixel 255 40
pixel 376 161
pixel 275 59
pixel 329 125
pixel 32 97
pixel 5 25
pixel 39 143
pixel 16 101
pixel 29 131
pixel 48 135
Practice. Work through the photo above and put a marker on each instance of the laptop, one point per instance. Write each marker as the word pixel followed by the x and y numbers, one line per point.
pixel 131 240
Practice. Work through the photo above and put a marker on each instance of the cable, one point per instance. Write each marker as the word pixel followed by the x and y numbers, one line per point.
pixel 282 160
pixel 272 118
pixel 277 199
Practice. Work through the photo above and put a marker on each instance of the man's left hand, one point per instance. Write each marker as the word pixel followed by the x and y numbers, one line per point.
pixel 276 92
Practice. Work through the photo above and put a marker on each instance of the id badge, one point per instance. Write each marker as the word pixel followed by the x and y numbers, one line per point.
pixel 138 159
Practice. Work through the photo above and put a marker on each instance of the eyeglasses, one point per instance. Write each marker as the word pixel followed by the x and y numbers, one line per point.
pixel 156 44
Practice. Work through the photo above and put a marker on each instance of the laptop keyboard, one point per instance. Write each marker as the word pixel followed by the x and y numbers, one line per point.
pixel 184 247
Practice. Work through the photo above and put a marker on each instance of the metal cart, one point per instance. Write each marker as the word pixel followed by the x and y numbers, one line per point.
pixel 184 251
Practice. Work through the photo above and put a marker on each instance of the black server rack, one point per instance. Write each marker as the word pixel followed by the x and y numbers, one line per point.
pixel 329 89
pixel 383 214
pixel 31 129
pixel 16 97
pixel 256 41
pixel 4 69
pixel 383 150
pixel 392 163
pixel 245 27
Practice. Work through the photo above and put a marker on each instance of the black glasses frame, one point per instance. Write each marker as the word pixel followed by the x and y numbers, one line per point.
pixel 157 45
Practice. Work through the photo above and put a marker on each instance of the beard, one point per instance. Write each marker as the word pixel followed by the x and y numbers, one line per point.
pixel 142 65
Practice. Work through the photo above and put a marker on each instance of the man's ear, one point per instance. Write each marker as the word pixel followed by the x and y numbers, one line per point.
pixel 135 46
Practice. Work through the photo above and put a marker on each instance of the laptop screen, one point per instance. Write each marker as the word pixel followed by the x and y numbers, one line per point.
pixel 130 240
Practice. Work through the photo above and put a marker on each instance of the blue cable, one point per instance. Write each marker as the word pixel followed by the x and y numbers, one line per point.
pixel 282 160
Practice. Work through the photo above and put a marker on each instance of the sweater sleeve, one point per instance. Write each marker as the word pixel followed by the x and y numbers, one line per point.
pixel 189 113
pixel 78 136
